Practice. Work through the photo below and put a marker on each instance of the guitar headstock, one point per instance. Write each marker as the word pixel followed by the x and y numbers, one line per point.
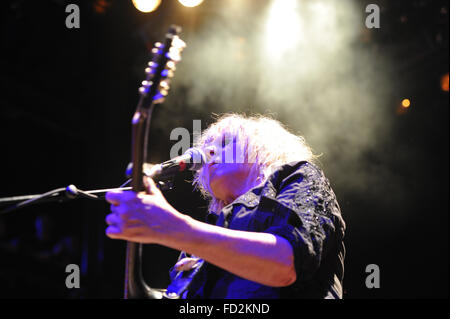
pixel 162 67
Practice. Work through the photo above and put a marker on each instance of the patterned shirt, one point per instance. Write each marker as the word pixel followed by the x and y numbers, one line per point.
pixel 298 204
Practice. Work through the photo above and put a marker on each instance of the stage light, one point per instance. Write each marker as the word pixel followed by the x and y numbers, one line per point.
pixel 146 5
pixel 321 10
pixel 406 103
pixel 100 6
pixel 282 27
pixel 190 3
pixel 444 82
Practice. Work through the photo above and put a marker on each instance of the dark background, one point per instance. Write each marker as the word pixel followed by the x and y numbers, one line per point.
pixel 67 99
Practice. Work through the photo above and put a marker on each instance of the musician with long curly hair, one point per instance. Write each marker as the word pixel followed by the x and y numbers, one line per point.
pixel 274 227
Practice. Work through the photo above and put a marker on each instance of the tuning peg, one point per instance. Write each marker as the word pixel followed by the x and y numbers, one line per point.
pixel 171 65
pixel 164 84
pixel 143 90
pixel 156 51
pixel 164 73
pixel 164 92
pixel 159 97
pixel 151 69
pixel 167 73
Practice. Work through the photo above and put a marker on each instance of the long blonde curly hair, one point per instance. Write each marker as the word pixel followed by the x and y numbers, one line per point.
pixel 263 141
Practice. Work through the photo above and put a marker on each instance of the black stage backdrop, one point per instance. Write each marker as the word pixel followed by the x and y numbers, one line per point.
pixel 67 99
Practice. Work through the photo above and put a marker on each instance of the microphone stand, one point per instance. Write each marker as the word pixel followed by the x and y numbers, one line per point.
pixel 72 192
pixel 59 195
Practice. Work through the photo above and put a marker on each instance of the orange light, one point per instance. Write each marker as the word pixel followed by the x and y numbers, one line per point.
pixel 100 6
pixel 406 103
pixel 444 82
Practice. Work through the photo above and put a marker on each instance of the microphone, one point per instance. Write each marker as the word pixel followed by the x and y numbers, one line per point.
pixel 192 159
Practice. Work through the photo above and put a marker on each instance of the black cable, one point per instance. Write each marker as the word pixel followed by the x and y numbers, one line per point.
pixel 28 202
pixel 70 191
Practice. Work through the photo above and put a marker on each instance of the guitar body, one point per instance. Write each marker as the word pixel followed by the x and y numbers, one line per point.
pixel 181 282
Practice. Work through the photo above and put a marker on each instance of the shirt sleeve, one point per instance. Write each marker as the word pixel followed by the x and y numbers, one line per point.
pixel 303 215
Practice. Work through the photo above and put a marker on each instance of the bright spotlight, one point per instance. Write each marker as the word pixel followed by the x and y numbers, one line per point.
pixel 282 27
pixel 323 15
pixel 146 5
pixel 190 3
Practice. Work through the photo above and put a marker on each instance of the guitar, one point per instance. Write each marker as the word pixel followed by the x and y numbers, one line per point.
pixel 153 91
